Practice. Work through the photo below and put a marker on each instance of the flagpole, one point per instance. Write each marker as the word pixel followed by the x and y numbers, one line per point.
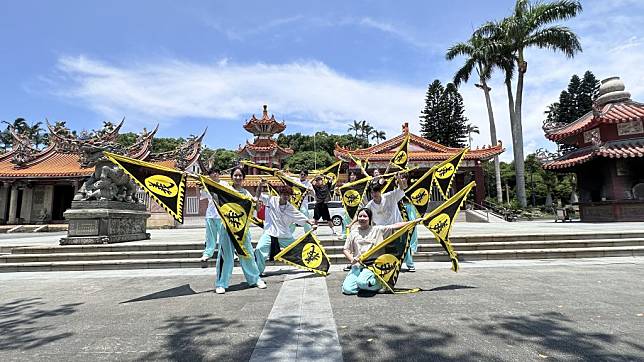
pixel 315 153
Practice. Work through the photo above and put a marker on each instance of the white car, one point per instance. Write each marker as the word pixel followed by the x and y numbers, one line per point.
pixel 336 211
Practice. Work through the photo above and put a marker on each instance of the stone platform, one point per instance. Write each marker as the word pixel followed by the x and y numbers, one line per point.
pixel 105 222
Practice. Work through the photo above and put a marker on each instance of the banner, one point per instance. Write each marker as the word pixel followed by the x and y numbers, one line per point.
pixel 446 172
pixel 331 173
pixel 298 191
pixel 269 170
pixel 352 195
pixel 362 164
pixel 164 185
pixel 236 211
pixel 402 155
pixel 441 220
pixel 306 253
pixel 419 193
pixel 385 258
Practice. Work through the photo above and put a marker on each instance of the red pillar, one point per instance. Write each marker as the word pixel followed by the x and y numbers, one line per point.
pixel 479 196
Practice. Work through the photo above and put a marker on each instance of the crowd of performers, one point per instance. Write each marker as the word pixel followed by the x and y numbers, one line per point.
pixel 373 222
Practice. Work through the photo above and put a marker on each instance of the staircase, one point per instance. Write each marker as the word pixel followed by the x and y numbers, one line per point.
pixel 151 255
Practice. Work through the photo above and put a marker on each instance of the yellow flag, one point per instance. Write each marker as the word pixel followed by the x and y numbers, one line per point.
pixel 236 211
pixel 441 220
pixel 165 185
pixel 446 172
pixel 306 253
pixel 402 154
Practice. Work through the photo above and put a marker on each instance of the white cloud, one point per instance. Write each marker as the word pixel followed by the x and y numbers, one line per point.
pixel 302 93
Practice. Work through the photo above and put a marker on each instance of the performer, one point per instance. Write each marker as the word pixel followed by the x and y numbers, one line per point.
pixel 346 220
pixel 361 239
pixel 385 206
pixel 226 250
pixel 280 214
pixel 413 241
pixel 304 208
pixel 322 196
pixel 213 221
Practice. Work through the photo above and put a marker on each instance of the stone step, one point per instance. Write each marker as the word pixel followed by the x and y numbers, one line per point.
pixel 337 259
pixel 108 252
pixel 424 244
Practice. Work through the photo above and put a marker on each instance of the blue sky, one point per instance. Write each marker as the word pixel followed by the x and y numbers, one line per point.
pixel 318 65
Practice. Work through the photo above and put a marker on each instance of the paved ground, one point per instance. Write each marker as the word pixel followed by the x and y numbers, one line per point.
pixel 589 309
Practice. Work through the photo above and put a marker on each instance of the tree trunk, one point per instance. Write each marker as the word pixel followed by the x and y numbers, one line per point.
pixel 494 139
pixel 517 134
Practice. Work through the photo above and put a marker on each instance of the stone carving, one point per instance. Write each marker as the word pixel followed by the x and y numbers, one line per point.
pixel 107 183
pixel 23 149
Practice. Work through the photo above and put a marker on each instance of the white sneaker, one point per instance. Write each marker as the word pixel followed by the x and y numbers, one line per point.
pixel 220 290
pixel 261 284
pixel 204 259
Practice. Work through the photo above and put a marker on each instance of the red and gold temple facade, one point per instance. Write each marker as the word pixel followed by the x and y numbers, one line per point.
pixel 264 150
pixel 607 155
pixel 425 154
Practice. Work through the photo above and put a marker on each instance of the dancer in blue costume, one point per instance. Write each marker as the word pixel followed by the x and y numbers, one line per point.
pixel 304 208
pixel 225 253
pixel 361 239
pixel 280 214
pixel 213 220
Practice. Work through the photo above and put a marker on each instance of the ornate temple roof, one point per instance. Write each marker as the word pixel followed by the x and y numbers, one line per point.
pixel 61 158
pixel 613 105
pixel 420 149
pixel 265 126
pixel 264 145
pixel 612 149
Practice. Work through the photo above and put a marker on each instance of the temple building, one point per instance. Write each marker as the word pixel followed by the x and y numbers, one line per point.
pixel 264 150
pixel 425 154
pixel 605 149
pixel 37 186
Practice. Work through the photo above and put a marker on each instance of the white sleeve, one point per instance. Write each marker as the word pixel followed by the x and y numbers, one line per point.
pixel 295 215
pixel 264 198
pixel 396 195
pixel 204 195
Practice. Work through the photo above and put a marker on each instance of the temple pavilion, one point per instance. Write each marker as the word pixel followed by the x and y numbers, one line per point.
pixel 37 186
pixel 424 154
pixel 264 150
pixel 606 152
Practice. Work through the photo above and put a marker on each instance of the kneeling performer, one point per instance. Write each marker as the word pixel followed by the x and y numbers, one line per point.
pixel 279 216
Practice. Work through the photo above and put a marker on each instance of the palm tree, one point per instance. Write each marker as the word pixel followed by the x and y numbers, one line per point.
pixel 378 136
pixel 528 27
pixel 471 128
pixel 367 131
pixel 364 129
pixel 355 127
pixel 36 133
pixel 479 57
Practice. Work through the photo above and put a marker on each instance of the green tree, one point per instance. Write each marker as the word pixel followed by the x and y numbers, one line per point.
pixel 165 144
pixel 322 141
pixel 529 26
pixel 356 127
pixel 221 158
pixel 378 136
pixel 309 160
pixel 126 139
pixel 479 57
pixel 442 119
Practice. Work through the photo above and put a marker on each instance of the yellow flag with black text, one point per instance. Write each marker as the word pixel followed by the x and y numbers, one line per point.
pixel 361 164
pixel 331 173
pixel 385 258
pixel 298 190
pixel 164 185
pixel 402 154
pixel 306 253
pixel 441 220
pixel 236 211
pixel 446 172
pixel 352 194
pixel 419 193
pixel 268 170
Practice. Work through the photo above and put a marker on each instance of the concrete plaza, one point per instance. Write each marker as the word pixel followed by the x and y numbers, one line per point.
pixel 582 309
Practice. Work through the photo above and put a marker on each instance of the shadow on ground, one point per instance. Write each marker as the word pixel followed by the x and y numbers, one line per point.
pixel 557 335
pixel 193 338
pixel 23 324
pixel 387 342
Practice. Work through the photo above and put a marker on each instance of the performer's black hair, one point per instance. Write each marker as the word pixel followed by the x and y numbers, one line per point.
pixel 232 171
pixel 305 171
pixel 214 170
